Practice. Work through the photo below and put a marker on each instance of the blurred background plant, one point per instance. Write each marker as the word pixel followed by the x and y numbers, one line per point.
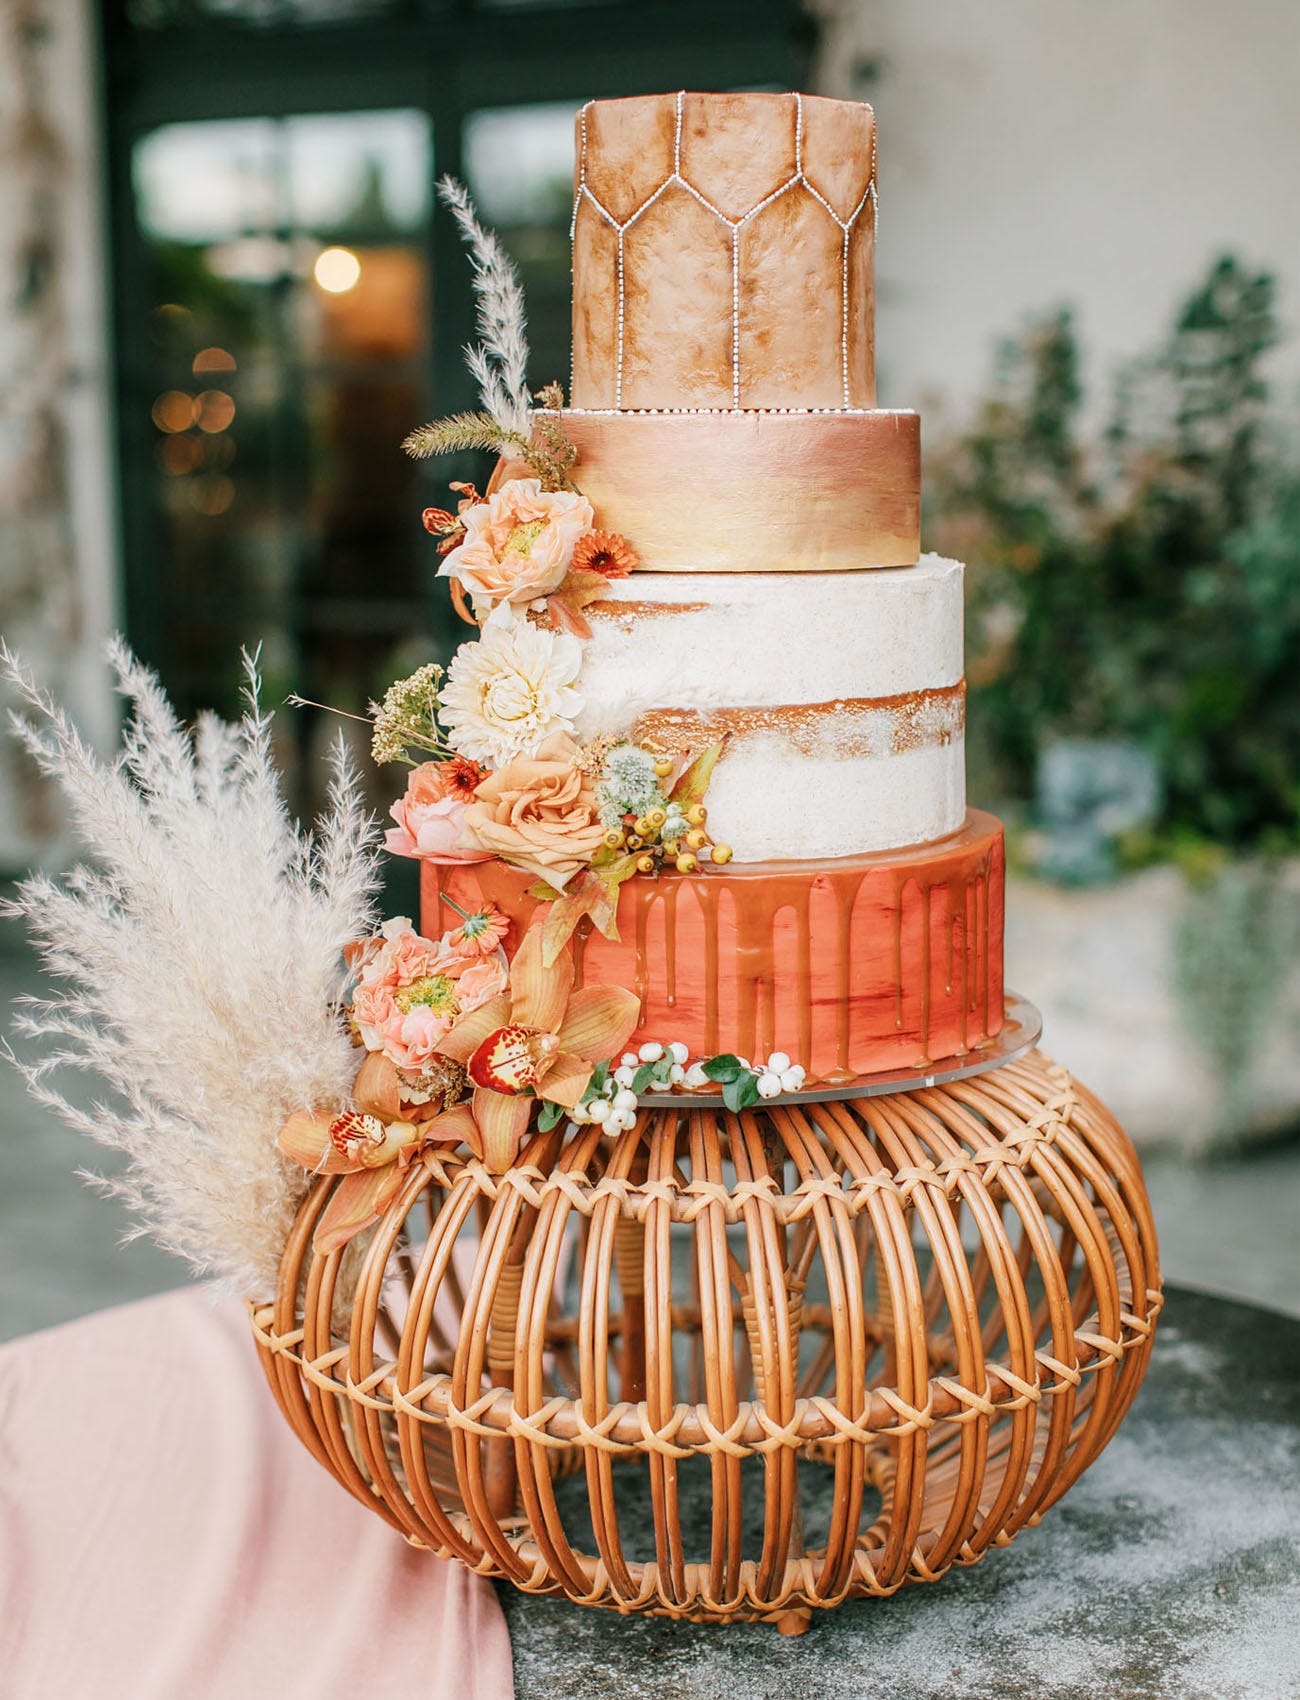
pixel 1143 586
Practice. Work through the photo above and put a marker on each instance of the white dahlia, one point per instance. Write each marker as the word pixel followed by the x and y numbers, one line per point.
pixel 510 690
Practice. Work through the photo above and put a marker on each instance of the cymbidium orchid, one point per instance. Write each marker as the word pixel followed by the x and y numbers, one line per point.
pixel 540 1039
pixel 371 1144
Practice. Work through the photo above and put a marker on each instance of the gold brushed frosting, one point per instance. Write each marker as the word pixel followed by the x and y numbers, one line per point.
pixel 753 492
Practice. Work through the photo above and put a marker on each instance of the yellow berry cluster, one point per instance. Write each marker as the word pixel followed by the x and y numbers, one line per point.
pixel 669 833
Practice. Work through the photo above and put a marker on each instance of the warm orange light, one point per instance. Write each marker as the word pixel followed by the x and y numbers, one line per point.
pixel 211 496
pixel 337 270
pixel 214 410
pixel 173 411
pixel 179 455
pixel 214 360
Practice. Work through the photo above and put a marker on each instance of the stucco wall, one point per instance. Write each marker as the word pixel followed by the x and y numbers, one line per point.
pixel 1092 151
pixel 58 597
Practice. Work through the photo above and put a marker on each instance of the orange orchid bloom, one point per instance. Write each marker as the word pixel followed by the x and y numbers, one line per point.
pixel 540 1039
pixel 371 1145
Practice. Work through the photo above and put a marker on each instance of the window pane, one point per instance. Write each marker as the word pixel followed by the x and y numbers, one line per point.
pixel 282 358
pixel 519 163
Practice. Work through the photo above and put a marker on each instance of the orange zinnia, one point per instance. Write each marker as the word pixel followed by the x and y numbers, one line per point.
pixel 604 552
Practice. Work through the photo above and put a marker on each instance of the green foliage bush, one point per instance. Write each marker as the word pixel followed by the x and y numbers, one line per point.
pixel 1145 585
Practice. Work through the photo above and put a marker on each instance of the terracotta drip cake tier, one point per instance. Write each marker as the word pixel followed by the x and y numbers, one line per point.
pixel 852 966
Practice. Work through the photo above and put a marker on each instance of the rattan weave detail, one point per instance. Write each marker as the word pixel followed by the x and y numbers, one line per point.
pixel 891 1332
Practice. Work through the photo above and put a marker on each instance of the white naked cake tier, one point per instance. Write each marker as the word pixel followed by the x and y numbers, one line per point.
pixel 841 696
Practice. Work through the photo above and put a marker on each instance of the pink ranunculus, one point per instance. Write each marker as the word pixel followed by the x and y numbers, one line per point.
pixel 519 543
pixel 430 819
pixel 403 957
pixel 373 1010
pixel 479 982
pixel 416 1040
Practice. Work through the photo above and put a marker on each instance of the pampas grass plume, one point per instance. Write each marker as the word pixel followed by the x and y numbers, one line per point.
pixel 499 363
pixel 197 961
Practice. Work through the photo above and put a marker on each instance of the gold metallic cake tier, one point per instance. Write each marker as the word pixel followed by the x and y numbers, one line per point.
pixel 753 492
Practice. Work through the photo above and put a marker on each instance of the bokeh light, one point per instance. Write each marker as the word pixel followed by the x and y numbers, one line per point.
pixel 179 455
pixel 337 270
pixel 214 360
pixel 173 411
pixel 214 410
pixel 211 496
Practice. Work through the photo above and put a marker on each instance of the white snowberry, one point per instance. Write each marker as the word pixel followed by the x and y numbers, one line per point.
pixel 695 1076
pixel 791 1079
pixel 624 1076
pixel 625 1101
pixel 676 1075
pixel 769 1085
pixel 651 1052
pixel 598 1109
pixel 778 1062
pixel 679 1052
pixel 629 1059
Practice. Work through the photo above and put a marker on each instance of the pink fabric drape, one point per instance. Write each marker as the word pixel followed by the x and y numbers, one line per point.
pixel 164 1535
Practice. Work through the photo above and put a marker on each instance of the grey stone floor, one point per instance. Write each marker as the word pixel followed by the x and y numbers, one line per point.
pixel 1230 1228
pixel 1171 1571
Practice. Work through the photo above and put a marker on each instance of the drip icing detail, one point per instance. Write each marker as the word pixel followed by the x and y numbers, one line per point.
pixel 850 966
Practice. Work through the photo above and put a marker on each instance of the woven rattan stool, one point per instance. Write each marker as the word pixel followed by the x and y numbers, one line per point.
pixel 890 1330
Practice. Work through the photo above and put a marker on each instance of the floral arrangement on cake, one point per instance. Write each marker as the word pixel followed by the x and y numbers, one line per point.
pixel 524 560
pixel 225 973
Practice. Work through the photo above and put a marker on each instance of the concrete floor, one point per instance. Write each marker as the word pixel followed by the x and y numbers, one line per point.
pixel 1230 1228
pixel 1171 1571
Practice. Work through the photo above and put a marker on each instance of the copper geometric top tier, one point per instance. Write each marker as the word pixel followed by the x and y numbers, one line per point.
pixel 723 251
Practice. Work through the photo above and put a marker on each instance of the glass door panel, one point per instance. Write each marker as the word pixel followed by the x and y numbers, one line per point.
pixel 286 355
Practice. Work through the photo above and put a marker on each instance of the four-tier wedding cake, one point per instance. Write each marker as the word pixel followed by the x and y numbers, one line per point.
pixel 723 413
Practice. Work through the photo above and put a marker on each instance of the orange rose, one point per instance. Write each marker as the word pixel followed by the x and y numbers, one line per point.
pixel 538 813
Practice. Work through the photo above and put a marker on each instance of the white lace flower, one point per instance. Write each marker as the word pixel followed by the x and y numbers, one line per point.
pixel 510 690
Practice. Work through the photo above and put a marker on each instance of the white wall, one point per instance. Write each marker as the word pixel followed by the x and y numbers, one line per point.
pixel 58 577
pixel 1098 152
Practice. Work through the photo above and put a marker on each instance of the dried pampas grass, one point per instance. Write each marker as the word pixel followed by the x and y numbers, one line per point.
pixel 199 960
pixel 498 364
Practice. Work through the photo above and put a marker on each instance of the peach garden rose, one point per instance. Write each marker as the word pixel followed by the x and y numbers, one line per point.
pixel 411 992
pixel 519 543
pixel 431 816
pixel 539 813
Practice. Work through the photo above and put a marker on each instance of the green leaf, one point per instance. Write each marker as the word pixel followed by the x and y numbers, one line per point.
pixel 740 1092
pixel 614 866
pixel 643 1076
pixel 724 1067
pixel 550 1115
pixel 694 782
pixel 598 1082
